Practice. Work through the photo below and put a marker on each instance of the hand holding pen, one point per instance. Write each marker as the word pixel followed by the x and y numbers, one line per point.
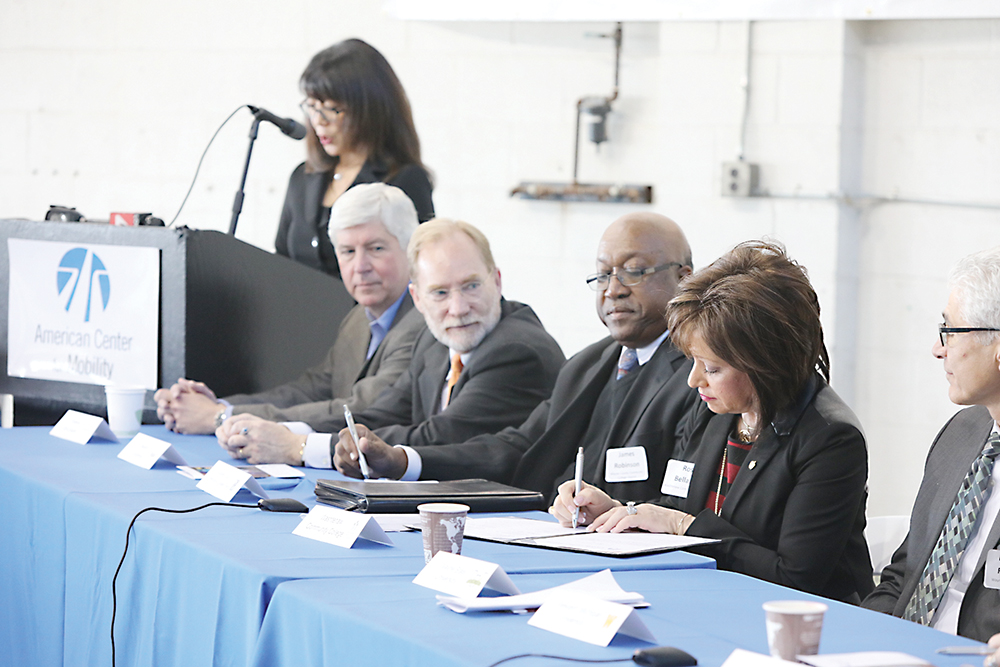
pixel 357 441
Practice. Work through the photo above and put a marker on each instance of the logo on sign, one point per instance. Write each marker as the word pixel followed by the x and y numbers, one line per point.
pixel 72 267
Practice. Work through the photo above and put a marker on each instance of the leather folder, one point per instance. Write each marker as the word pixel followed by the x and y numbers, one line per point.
pixel 385 497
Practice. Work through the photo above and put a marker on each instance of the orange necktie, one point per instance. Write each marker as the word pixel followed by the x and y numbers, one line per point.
pixel 456 370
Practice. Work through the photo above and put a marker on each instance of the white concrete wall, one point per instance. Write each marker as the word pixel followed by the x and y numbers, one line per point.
pixel 108 106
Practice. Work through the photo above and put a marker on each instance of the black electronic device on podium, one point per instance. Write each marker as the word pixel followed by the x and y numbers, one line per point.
pixel 231 315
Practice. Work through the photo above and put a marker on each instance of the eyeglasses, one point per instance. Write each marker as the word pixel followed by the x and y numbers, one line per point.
pixel 627 277
pixel 313 109
pixel 945 331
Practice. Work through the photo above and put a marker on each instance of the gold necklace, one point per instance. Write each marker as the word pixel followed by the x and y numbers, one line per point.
pixel 718 489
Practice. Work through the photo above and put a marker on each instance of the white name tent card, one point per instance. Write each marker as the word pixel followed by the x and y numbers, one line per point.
pixel 145 450
pixel 463 577
pixel 340 527
pixel 589 619
pixel 81 428
pixel 600 585
pixel 224 481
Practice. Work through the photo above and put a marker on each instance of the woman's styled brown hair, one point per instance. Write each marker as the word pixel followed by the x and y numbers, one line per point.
pixel 355 74
pixel 755 309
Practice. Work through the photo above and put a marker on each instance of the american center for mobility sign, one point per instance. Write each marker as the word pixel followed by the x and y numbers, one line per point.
pixel 82 312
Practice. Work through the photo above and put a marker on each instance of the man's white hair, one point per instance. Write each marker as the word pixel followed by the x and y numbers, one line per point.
pixel 374 202
pixel 976 279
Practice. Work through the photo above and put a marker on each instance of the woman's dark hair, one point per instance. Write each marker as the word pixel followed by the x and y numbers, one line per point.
pixel 356 75
pixel 755 309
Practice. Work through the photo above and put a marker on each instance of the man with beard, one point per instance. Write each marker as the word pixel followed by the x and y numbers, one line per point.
pixel 620 398
pixel 483 364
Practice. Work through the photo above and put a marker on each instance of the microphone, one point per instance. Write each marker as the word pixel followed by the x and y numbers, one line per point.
pixel 288 126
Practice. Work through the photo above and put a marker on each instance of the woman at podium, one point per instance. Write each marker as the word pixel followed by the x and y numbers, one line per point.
pixel 360 130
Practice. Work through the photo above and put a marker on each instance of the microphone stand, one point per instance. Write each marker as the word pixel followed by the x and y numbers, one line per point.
pixel 238 201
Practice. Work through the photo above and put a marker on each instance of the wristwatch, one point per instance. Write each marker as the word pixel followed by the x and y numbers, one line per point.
pixel 221 416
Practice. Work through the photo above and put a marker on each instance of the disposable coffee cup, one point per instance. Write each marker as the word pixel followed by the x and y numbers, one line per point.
pixel 443 526
pixel 125 409
pixel 794 627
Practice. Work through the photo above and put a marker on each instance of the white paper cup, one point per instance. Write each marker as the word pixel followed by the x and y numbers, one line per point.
pixel 125 409
pixel 794 627
pixel 443 527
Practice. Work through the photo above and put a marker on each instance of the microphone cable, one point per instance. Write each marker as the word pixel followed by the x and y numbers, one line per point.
pixel 128 532
pixel 202 159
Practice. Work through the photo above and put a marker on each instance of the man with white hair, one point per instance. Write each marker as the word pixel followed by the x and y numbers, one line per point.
pixel 946 574
pixel 370 227
pixel 484 362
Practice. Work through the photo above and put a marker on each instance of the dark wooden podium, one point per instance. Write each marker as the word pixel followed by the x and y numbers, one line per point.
pixel 231 315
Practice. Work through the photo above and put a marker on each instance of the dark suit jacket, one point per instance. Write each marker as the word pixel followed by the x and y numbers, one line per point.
pixel 345 376
pixel 537 454
pixel 510 372
pixel 300 217
pixel 950 458
pixel 795 515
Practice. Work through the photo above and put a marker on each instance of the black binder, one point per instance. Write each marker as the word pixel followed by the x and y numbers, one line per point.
pixel 384 497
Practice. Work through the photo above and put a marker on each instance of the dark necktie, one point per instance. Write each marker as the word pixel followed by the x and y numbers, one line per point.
pixel 627 362
pixel 950 545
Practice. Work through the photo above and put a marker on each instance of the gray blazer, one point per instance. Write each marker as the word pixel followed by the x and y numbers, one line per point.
pixel 510 372
pixel 318 396
pixel 955 448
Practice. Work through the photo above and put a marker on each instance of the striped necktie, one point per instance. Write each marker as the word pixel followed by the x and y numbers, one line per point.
pixel 456 370
pixel 627 362
pixel 950 545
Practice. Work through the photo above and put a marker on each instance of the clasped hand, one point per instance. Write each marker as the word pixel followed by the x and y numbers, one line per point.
pixel 603 514
pixel 187 407
pixel 257 440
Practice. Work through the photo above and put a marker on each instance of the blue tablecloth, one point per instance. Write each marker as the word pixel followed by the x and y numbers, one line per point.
pixel 705 612
pixel 195 587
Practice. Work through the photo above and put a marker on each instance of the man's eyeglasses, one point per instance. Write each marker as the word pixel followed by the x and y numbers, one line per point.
pixel 627 277
pixel 312 109
pixel 945 331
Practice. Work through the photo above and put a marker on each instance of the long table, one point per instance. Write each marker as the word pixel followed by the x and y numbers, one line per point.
pixel 195 588
pixel 704 612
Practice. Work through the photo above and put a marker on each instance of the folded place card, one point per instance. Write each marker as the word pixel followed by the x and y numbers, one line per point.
pixel 224 481
pixel 600 585
pixel 145 450
pixel 589 619
pixel 463 577
pixel 340 527
pixel 81 428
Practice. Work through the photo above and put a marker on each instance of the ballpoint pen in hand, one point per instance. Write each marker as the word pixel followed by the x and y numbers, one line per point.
pixel 357 441
pixel 579 484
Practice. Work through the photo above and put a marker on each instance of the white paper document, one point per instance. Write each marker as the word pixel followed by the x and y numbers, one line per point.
pixel 510 528
pixel 864 659
pixel 81 428
pixel 743 658
pixel 617 544
pixel 397 523
pixel 463 577
pixel 589 619
pixel 282 470
pixel 145 450
pixel 601 585
pixel 340 527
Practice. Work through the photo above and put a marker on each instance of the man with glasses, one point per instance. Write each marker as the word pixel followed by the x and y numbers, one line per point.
pixel 620 399
pixel 946 574
pixel 482 364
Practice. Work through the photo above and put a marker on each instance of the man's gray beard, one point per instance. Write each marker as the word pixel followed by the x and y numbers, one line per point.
pixel 489 323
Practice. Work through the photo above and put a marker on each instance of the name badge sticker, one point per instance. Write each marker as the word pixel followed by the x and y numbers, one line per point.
pixel 626 464
pixel 677 479
pixel 992 569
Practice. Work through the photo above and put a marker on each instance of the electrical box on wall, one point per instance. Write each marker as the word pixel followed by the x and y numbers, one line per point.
pixel 739 179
